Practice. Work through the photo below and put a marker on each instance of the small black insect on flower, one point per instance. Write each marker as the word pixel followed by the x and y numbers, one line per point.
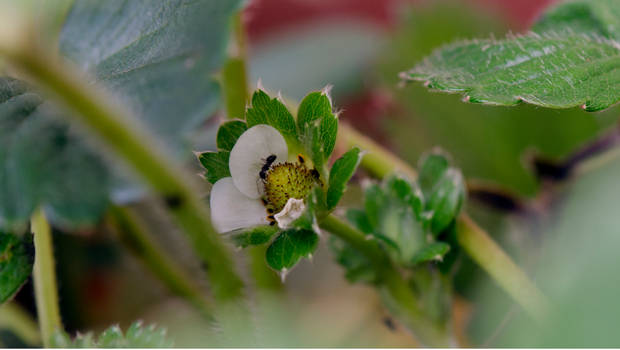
pixel 266 166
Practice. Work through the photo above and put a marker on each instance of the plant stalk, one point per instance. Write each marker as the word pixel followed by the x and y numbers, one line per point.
pixel 488 255
pixel 131 142
pixel 44 276
pixel 475 241
pixel 135 237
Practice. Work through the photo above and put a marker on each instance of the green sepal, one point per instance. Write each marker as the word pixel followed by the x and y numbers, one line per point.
pixel 340 174
pixel 228 134
pixel 289 247
pixel 446 200
pixel 266 110
pixel 318 126
pixel 216 164
pixel 255 236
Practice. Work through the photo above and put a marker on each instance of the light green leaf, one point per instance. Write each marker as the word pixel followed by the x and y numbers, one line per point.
pixel 289 247
pixel 446 200
pixel 432 252
pixel 431 168
pixel 256 236
pixel 156 57
pixel 228 133
pixel 266 110
pixel 137 336
pixel 340 174
pixel 216 164
pixel 583 16
pixel 318 126
pixel 554 69
pixel 16 259
pixel 407 192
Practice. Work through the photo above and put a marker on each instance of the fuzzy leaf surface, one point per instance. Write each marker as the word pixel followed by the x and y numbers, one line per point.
pixel 553 69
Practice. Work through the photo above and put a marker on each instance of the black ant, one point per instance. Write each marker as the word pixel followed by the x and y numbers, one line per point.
pixel 265 169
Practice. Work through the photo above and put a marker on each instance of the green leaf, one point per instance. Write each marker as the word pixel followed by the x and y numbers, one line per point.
pixel 340 174
pixel 584 16
pixel 407 192
pixel 552 69
pixel 216 164
pixel 266 110
pixel 357 267
pixel 228 133
pixel 43 162
pixel 318 126
pixel 289 247
pixel 432 252
pixel 256 236
pixel 431 168
pixel 446 200
pixel 16 259
pixel 359 219
pixel 391 213
pixel 156 57
pixel 137 336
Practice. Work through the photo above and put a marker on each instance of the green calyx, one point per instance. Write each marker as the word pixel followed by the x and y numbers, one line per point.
pixel 288 180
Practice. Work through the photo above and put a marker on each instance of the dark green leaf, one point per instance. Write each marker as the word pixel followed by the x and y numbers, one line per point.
pixel 552 69
pixel 446 200
pixel 228 133
pixel 156 57
pixel 216 164
pixel 340 174
pixel 266 110
pixel 357 267
pixel 318 126
pixel 431 168
pixel 137 336
pixel 289 247
pixel 432 252
pixel 16 259
pixel 256 236
pixel 583 16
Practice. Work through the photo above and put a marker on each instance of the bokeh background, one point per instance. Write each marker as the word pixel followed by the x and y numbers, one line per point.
pixel 566 233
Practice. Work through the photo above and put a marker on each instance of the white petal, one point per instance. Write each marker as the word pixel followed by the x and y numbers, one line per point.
pixel 231 209
pixel 248 156
pixel 291 212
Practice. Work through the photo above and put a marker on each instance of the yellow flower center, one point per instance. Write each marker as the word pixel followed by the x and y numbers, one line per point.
pixel 288 180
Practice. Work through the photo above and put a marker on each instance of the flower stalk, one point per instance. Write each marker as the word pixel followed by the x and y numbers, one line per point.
pixel 44 276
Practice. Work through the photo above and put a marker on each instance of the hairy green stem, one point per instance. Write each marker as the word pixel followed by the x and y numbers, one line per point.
pixel 476 242
pixel 134 235
pixel 44 276
pixel 400 298
pixel 18 321
pixel 131 142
